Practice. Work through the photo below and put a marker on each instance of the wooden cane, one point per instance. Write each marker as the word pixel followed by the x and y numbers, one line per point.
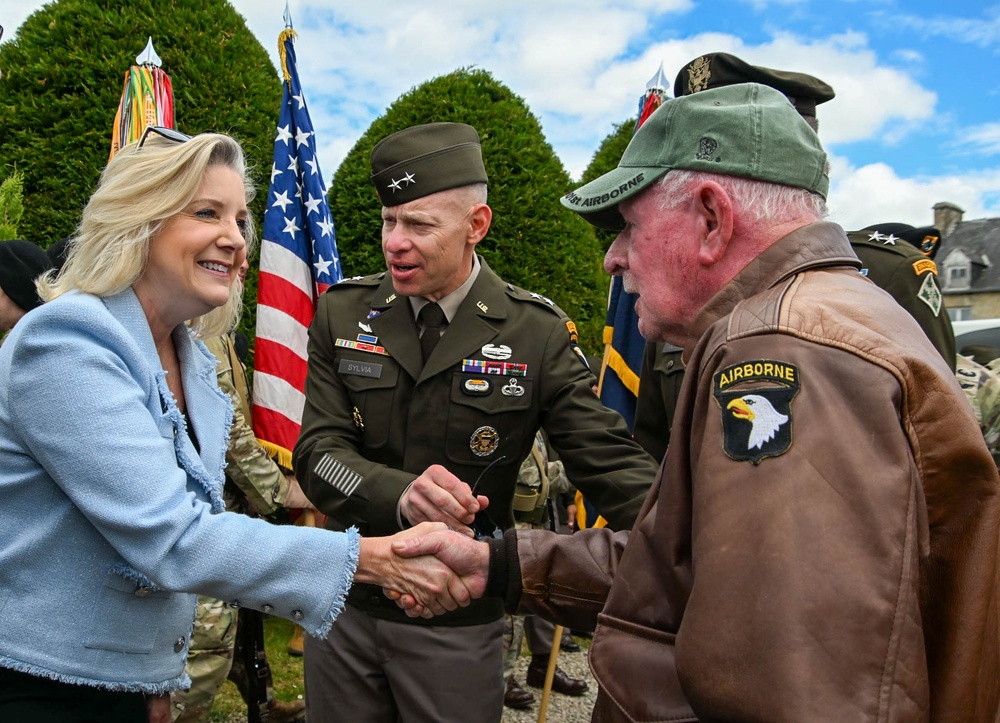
pixel 550 673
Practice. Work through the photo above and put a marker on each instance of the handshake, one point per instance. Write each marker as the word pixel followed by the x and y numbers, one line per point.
pixel 428 569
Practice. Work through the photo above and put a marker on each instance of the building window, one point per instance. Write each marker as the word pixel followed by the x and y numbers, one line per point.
pixel 960 313
pixel 958 277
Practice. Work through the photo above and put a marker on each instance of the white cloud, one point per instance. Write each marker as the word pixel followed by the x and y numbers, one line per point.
pixel 876 194
pixel 984 31
pixel 983 139
pixel 581 65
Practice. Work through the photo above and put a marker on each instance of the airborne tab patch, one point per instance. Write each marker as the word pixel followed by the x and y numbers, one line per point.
pixel 756 421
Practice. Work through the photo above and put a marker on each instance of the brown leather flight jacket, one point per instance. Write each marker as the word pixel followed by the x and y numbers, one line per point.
pixel 822 541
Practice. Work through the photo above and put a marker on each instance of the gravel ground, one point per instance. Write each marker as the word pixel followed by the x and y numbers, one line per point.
pixel 561 708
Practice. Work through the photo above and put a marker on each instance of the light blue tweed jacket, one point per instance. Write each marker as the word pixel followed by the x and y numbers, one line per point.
pixel 111 520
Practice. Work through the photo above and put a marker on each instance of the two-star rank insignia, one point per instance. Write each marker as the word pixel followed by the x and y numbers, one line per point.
pixel 756 420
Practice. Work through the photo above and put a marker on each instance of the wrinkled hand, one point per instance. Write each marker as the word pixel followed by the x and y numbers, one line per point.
pixel 421 578
pixel 158 708
pixel 467 558
pixel 295 498
pixel 439 496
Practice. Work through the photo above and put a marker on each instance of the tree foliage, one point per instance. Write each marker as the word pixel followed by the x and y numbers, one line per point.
pixel 533 242
pixel 11 205
pixel 62 81
pixel 608 154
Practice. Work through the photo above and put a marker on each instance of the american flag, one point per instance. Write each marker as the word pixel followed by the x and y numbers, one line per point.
pixel 298 262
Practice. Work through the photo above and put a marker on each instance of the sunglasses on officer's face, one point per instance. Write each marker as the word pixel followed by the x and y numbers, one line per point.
pixel 169 133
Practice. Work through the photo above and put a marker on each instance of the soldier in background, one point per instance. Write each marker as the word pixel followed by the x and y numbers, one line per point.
pixel 981 385
pixel 662 367
pixel 539 480
pixel 21 262
pixel 893 255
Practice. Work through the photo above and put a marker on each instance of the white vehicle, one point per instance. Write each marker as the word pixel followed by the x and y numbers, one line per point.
pixel 976 331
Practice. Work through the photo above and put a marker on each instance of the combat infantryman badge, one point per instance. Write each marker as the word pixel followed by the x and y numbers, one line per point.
pixel 756 420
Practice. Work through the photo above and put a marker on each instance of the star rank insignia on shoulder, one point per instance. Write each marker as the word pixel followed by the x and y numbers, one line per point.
pixel 539 299
pixel 756 419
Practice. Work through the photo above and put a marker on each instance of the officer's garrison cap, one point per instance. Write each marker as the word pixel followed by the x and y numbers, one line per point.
pixel 715 70
pixel 425 159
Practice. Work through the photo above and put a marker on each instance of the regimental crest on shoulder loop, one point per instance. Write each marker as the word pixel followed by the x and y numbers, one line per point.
pixel 756 419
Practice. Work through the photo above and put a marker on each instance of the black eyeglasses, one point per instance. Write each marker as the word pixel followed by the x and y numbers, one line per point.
pixel 483 527
pixel 169 133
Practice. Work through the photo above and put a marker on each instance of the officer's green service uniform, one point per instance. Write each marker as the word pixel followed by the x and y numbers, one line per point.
pixel 911 278
pixel 376 417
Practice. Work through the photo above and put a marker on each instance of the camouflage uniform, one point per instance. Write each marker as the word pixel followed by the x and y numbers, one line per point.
pixel 254 485
pixel 536 480
pixel 981 385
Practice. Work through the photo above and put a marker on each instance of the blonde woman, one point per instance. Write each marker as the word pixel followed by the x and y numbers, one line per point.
pixel 113 434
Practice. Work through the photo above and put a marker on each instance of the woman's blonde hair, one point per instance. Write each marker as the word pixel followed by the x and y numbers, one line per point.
pixel 139 190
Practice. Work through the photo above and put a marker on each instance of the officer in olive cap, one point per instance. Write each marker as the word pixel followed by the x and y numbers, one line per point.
pixel 21 262
pixel 662 370
pixel 424 382
pixel 892 256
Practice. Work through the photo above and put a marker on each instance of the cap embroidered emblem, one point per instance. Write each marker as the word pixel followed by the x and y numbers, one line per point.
pixel 706 149
pixel 699 74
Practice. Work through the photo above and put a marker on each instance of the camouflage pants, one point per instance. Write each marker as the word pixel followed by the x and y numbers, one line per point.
pixel 209 660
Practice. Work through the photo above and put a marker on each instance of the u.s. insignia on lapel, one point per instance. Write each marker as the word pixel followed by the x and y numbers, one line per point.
pixel 756 420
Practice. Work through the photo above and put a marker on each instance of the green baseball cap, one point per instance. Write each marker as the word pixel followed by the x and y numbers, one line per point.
pixel 747 130
pixel 421 160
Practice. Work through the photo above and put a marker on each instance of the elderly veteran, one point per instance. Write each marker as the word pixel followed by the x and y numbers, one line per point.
pixel 113 436
pixel 822 541
pixel 21 262
pixel 425 382
pixel 662 367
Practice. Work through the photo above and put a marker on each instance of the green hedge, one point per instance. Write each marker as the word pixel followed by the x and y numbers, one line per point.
pixel 608 154
pixel 62 81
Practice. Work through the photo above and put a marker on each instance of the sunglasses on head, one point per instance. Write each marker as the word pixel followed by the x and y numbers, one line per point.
pixel 169 133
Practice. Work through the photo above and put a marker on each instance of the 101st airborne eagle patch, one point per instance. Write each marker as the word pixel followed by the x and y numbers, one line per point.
pixel 756 420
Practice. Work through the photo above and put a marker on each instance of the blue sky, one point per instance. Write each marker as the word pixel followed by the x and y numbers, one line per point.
pixel 915 120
